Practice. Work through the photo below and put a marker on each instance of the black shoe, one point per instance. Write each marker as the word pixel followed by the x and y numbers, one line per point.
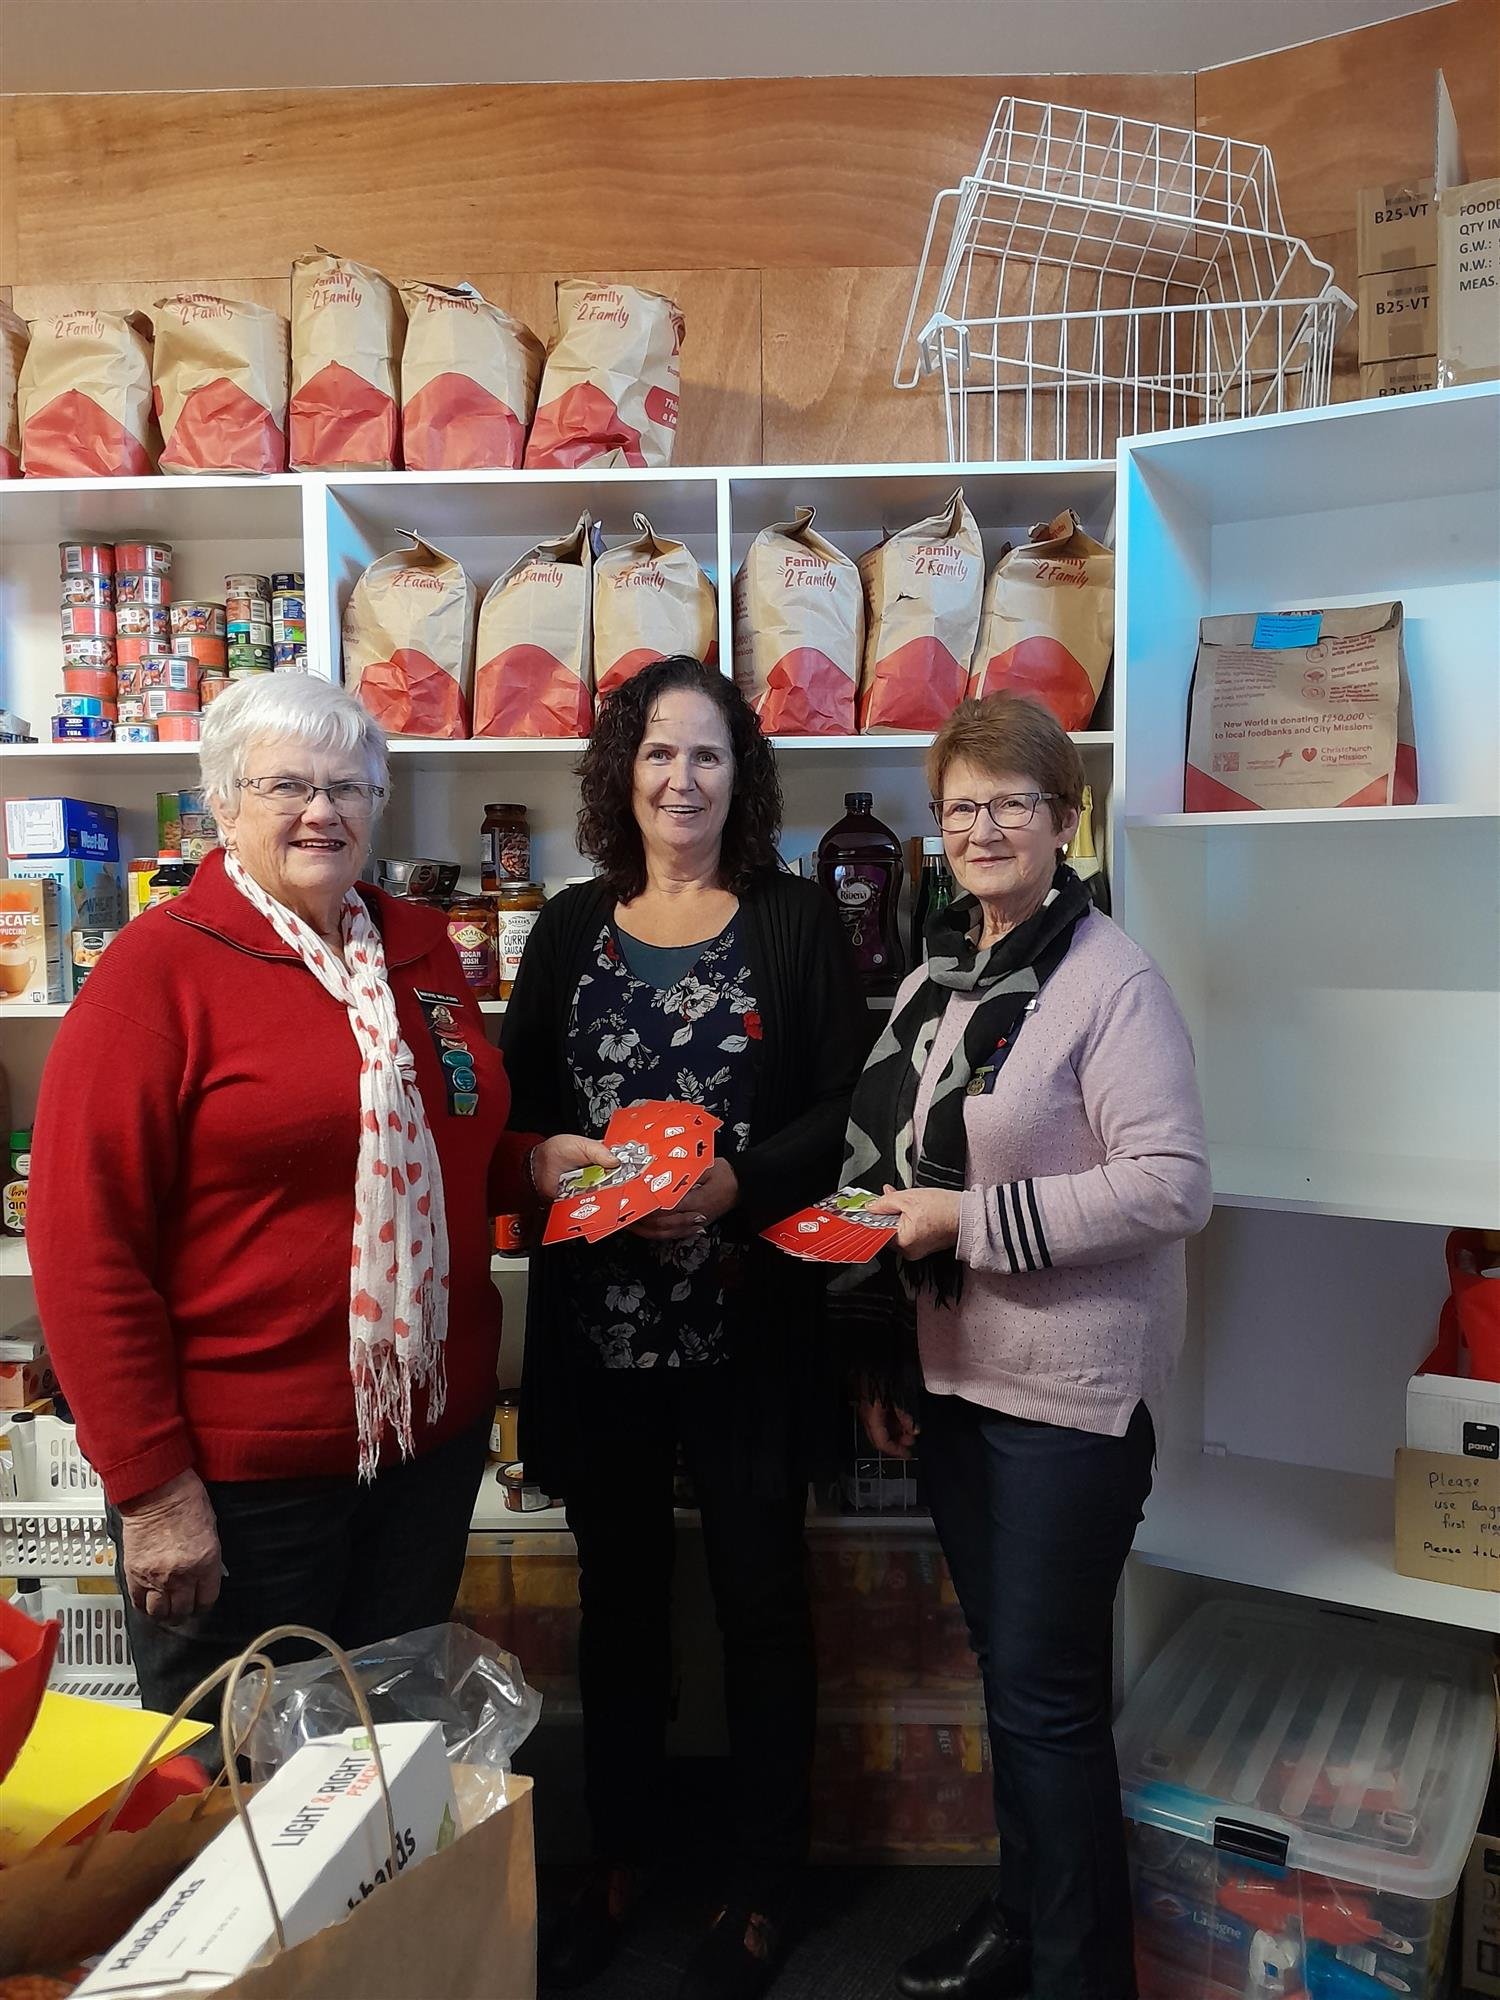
pixel 585 1938
pixel 738 1959
pixel 981 1960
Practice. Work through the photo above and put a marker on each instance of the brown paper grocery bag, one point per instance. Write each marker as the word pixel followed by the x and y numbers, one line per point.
pixel 609 392
pixel 798 631
pixel 347 324
pixel 408 642
pixel 220 379
pixel 469 375
pixel 923 588
pixel 1326 723
pixel 13 343
pixel 1048 625
pixel 535 664
pixel 651 599
pixel 85 397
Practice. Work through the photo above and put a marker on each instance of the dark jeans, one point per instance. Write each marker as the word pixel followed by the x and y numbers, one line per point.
pixel 360 1563
pixel 1036 1522
pixel 631 1423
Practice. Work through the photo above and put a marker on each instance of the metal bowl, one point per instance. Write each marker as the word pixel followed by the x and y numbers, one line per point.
pixel 418 878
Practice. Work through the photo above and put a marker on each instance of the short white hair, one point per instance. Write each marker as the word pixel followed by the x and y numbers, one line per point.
pixel 303 707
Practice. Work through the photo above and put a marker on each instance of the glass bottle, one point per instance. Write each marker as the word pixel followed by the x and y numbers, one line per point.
pixel 933 892
pixel 1083 856
pixel 859 864
pixel 172 876
pixel 506 847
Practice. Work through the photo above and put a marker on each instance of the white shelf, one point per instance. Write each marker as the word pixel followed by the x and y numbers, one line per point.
pixel 46 1010
pixel 1297 1529
pixel 1382 1187
pixel 15 1262
pixel 1356 816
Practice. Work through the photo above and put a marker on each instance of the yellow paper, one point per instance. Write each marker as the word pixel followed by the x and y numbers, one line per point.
pixel 75 1760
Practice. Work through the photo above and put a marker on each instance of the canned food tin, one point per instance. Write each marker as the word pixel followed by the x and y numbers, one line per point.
pixel 244 631
pixel 133 649
pixel 143 621
pixel 246 611
pixel 172 672
pixel 144 555
pixel 135 732
pixel 96 654
pixel 178 728
pixel 85 704
pixel 143 586
pixel 81 729
pixel 247 673
pixel 88 590
pixel 289 631
pixel 200 833
pixel 129 679
pixel 286 579
pixel 256 657
pixel 202 616
pixel 91 680
pixel 246 583
pixel 212 686
pixel 195 646
pixel 86 558
pixel 170 701
pixel 132 708
pixel 286 652
pixel 87 621
pixel 288 604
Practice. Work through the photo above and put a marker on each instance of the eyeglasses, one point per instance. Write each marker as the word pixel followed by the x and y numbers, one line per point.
pixel 959 815
pixel 349 797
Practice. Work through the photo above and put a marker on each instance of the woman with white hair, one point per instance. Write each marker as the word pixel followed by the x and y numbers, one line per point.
pixel 269 1142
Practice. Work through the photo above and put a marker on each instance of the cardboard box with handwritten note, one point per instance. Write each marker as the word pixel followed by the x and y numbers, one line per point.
pixel 1448 1518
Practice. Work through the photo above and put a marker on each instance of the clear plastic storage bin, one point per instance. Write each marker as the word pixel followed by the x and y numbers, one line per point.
pixel 1302 1790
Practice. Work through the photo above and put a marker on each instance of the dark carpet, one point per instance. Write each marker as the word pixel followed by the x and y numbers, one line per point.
pixel 856 1926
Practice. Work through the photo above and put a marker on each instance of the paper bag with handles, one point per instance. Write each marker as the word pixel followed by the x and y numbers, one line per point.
pixel 651 599
pixel 609 392
pixel 923 587
pixel 220 383
pixel 408 642
pixel 13 342
pixel 85 397
pixel 347 324
pixel 799 624
pixel 535 672
pixel 1326 722
pixel 469 375
pixel 1048 625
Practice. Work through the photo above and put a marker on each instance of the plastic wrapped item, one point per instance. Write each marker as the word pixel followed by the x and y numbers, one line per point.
pixel 444 1673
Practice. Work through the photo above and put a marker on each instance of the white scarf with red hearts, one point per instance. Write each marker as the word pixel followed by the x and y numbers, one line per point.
pixel 398 1289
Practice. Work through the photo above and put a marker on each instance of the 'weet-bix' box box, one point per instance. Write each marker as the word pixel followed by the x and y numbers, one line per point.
pixel 61 830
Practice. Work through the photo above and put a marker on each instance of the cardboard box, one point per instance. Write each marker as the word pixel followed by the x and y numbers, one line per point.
pixel 1406 377
pixel 1479 1968
pixel 1448 1519
pixel 321 1827
pixel 1398 315
pixel 1468 307
pixel 25 1372
pixel 1396 226
pixel 90 894
pixel 53 829
pixel 30 944
pixel 1453 1413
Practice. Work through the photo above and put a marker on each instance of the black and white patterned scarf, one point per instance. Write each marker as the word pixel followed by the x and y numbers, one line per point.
pixel 880 1144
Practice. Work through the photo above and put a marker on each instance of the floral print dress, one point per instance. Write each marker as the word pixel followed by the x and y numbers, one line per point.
pixel 636 1303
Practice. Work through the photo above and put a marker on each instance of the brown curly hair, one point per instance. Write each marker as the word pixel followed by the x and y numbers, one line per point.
pixel 607 832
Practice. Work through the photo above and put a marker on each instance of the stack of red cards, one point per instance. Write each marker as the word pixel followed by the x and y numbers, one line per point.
pixel 663 1150
pixel 836 1230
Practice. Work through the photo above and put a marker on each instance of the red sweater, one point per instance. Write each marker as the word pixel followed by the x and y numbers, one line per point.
pixel 191 1207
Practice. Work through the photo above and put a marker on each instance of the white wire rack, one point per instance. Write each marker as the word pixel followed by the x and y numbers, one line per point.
pixel 1105 277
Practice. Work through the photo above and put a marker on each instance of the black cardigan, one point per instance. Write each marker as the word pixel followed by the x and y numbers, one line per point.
pixel 815 1033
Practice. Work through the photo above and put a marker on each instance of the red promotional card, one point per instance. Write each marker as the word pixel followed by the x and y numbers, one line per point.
pixel 662 1149
pixel 835 1230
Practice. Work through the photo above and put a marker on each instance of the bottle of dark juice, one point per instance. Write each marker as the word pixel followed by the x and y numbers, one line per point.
pixel 859 864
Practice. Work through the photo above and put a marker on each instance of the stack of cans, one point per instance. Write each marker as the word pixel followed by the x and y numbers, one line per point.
pixel 87 708
pixel 289 621
pixel 143 601
pixel 247 611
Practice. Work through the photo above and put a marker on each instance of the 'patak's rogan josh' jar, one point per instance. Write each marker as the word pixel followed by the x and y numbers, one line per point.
pixel 471 927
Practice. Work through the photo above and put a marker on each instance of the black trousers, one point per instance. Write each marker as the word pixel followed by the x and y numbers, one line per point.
pixel 359 1562
pixel 1036 1522
pixel 620 1511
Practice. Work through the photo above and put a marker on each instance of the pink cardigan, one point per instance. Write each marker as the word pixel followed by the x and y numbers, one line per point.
pixel 1087 1167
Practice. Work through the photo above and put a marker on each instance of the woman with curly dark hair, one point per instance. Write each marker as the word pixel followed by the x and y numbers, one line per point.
pixel 694 967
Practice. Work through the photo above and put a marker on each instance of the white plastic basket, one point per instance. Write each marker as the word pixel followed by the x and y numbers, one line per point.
pixel 93 1651
pixel 68 1540
pixel 44 1462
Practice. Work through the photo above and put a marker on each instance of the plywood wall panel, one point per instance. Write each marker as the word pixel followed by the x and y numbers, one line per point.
pixel 758 172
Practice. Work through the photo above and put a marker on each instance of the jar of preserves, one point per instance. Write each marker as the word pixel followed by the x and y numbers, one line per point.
pixel 471 927
pixel 518 906
pixel 506 842
pixel 172 876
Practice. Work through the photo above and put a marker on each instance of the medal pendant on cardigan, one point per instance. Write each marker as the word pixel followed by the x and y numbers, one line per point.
pixel 442 1013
